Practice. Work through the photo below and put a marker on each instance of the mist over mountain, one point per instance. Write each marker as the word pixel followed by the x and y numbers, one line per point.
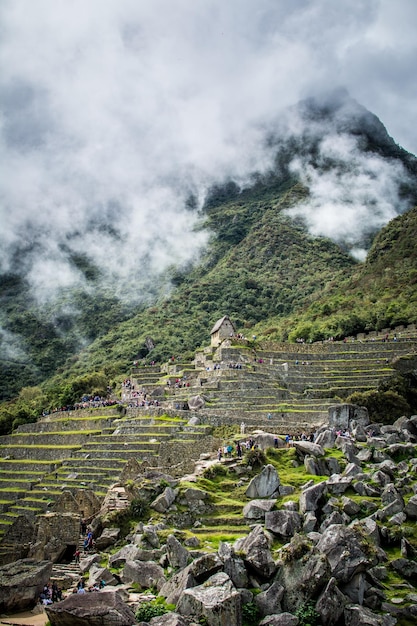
pixel 87 257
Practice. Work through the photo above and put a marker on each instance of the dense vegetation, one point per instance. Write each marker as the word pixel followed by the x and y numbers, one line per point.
pixel 261 267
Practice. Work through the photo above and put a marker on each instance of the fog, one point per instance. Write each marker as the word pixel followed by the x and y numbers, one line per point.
pixel 113 113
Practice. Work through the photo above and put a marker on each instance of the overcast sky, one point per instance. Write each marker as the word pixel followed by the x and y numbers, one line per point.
pixel 113 111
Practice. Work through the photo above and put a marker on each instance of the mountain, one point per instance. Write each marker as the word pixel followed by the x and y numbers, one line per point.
pixel 286 258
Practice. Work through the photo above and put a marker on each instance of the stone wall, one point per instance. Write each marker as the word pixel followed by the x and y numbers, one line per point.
pixel 179 457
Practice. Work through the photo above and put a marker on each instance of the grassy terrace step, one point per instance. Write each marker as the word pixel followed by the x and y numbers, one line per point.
pixel 39 452
pixel 68 423
pixel 35 465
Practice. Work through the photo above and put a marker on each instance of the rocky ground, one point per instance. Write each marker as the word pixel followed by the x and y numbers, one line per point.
pixel 328 536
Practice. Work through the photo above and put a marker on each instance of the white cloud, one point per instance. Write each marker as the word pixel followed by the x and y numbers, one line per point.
pixel 114 111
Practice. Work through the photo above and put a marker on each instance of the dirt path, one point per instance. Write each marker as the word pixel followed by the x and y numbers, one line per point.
pixel 24 619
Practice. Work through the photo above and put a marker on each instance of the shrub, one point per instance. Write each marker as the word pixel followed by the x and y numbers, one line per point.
pixel 307 614
pixel 150 609
pixel 250 614
pixel 215 470
pixel 255 458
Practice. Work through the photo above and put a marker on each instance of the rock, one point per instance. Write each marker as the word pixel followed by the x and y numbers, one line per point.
pixel 345 552
pixel 108 537
pixel 303 572
pixel 150 538
pixel 360 616
pixel 129 552
pixel 146 573
pixel 173 588
pixel 411 508
pixel 341 416
pixel 87 562
pixel 233 565
pixel 405 567
pixel 97 573
pixel 284 619
pixel 256 509
pixel 169 619
pixel 283 523
pixel 337 484
pixel 256 552
pixel 330 604
pixel 326 438
pixel 268 440
pixel 308 447
pixel 205 566
pixel 91 609
pixel 310 497
pixel 21 583
pixel 217 600
pixel 195 403
pixel 164 501
pixel 269 601
pixel 264 484
pixel 350 507
pixel 177 555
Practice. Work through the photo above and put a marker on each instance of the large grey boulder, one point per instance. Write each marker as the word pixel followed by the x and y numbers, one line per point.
pixel 342 416
pixel 129 552
pixel 308 447
pixel 283 523
pixel 303 572
pixel 326 438
pixel 264 484
pixel 172 589
pixel 217 600
pixel 91 609
pixel 233 565
pixel 108 537
pixel 411 508
pixel 21 583
pixel 256 552
pixel 269 601
pixel 346 552
pixel 177 555
pixel 256 509
pixel 169 619
pixel 205 566
pixel 97 573
pixel 284 619
pixel 196 402
pixel 165 500
pixel 356 615
pixel 310 497
pixel 146 573
pixel 331 603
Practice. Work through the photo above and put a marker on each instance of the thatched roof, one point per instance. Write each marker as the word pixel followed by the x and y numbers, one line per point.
pixel 220 322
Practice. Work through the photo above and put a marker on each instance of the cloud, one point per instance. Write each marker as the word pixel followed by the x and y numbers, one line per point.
pixel 113 113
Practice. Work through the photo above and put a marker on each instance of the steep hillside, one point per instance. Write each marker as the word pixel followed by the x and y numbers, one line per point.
pixel 267 264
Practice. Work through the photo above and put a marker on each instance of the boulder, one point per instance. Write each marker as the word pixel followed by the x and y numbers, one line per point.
pixel 326 438
pixel 283 523
pixel 91 609
pixel 177 555
pixel 310 497
pixel 330 604
pixel 264 484
pixel 269 601
pixel 284 619
pixel 169 619
pixel 256 509
pixel 164 500
pixel 172 589
pixel 256 552
pixel 205 566
pixel 108 537
pixel 341 416
pixel 303 572
pixel 308 447
pixel 97 573
pixel 88 561
pixel 217 600
pixel 146 573
pixel 361 616
pixel 233 565
pixel 129 552
pixel 345 551
pixel 196 402
pixel 21 583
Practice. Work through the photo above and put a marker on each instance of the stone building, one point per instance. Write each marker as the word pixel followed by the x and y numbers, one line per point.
pixel 221 330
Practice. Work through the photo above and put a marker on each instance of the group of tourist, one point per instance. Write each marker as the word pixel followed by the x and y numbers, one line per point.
pixel 50 593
